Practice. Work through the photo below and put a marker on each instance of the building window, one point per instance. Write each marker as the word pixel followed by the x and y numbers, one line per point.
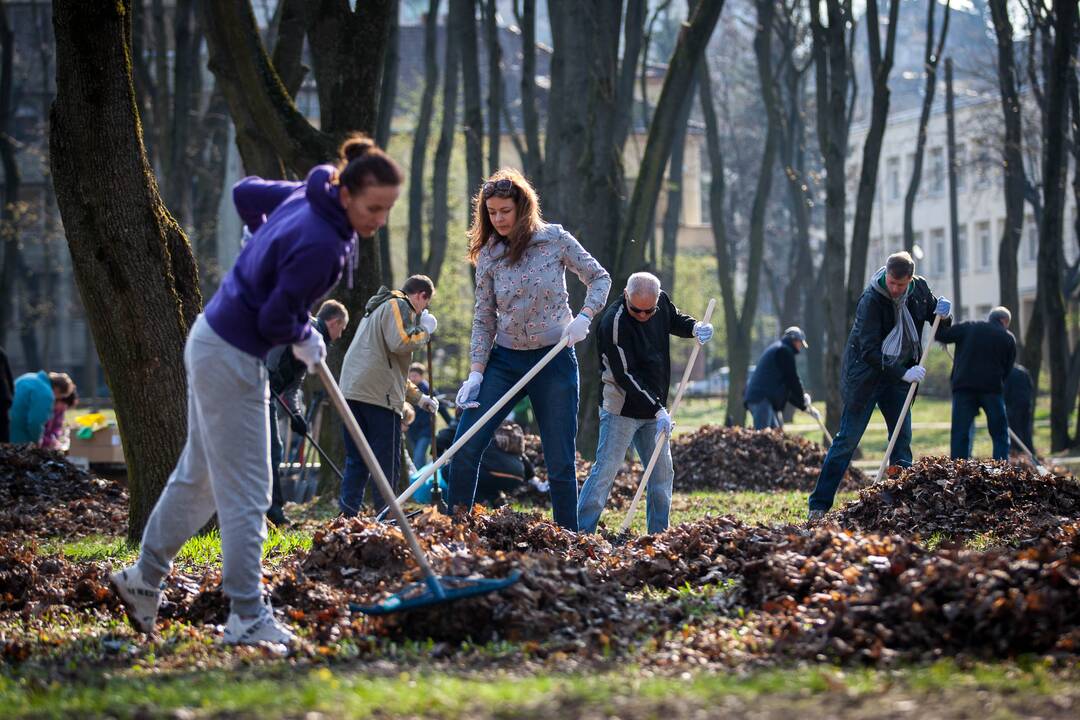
pixel 937 171
pixel 1032 243
pixel 910 171
pixel 892 174
pixel 962 247
pixel 982 163
pixel 937 252
pixel 916 238
pixel 896 243
pixel 960 166
pixel 983 243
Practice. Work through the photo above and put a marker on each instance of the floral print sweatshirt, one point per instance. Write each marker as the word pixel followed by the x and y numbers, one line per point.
pixel 525 306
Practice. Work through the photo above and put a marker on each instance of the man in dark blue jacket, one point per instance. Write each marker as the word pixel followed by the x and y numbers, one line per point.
pixel 633 340
pixel 776 382
pixel 881 360
pixel 1019 393
pixel 985 353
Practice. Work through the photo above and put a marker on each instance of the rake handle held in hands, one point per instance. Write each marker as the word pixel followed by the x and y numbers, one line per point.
pixel 460 442
pixel 659 447
pixel 817 416
pixel 310 439
pixel 375 468
pixel 907 405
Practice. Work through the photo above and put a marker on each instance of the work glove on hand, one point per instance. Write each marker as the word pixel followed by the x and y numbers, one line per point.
pixel 807 403
pixel 430 403
pixel 298 423
pixel 915 374
pixel 428 322
pixel 311 350
pixel 577 330
pixel 943 308
pixel 470 391
pixel 664 423
pixel 703 331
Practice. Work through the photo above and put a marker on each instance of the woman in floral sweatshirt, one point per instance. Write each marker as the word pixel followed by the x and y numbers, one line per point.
pixel 522 310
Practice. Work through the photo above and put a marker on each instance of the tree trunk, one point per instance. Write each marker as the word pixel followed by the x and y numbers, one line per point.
pixel 186 66
pixel 209 170
pixel 383 128
pixel 440 172
pixel 832 81
pixel 1055 165
pixel 12 177
pixel 931 58
pixel 673 211
pixel 954 223
pixel 529 114
pixel 415 242
pixel 127 251
pixel 473 109
pixel 495 80
pixel 1013 157
pixel 693 39
pixel 881 65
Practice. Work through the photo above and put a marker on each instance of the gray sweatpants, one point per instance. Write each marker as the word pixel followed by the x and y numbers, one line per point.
pixel 225 467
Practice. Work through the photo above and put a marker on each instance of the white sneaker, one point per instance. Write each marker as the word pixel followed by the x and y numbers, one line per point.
pixel 141 599
pixel 263 628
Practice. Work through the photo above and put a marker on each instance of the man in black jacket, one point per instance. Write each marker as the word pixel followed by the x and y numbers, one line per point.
pixel 1019 393
pixel 985 353
pixel 7 392
pixel 776 382
pixel 286 376
pixel 633 340
pixel 881 359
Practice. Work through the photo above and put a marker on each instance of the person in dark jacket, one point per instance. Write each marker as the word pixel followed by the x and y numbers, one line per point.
pixel 419 432
pixel 7 392
pixel 286 376
pixel 304 234
pixel 776 382
pixel 881 360
pixel 985 353
pixel 633 340
pixel 1019 395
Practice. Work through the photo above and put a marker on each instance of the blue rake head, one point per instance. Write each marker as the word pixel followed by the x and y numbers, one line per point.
pixel 435 591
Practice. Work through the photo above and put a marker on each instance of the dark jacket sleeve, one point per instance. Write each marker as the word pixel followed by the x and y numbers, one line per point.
pixel 618 350
pixel 951 333
pixel 679 323
pixel 785 360
pixel 1010 357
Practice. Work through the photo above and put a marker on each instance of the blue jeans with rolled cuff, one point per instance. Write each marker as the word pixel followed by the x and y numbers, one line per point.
pixel 554 396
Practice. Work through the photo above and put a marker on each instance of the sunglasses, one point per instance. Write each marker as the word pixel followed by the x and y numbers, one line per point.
pixel 504 187
pixel 640 311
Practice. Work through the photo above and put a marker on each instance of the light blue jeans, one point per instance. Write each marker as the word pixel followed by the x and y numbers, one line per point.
pixel 616 434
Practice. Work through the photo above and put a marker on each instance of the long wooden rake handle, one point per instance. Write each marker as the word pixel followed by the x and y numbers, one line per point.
pixel 659 447
pixel 460 442
pixel 907 405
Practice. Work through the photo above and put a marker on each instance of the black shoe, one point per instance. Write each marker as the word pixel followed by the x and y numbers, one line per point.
pixel 277 516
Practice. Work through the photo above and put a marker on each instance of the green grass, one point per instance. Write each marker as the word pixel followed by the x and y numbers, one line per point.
pixel 356 693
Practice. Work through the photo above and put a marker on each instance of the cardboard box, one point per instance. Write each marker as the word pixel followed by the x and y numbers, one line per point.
pixel 103 447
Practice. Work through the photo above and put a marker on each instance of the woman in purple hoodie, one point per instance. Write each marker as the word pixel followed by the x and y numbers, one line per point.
pixel 303 233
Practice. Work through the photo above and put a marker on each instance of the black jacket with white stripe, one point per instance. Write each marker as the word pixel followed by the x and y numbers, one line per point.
pixel 634 357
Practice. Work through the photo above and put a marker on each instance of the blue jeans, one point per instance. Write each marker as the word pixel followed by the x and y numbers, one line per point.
pixel 554 396
pixel 890 398
pixel 616 434
pixel 765 416
pixel 382 428
pixel 421 449
pixel 965 406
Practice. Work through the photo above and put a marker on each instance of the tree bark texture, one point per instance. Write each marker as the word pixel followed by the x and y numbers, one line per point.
pixel 673 211
pixel 383 127
pixel 954 223
pixel 693 39
pixel 9 234
pixel 530 116
pixel 931 57
pixel 495 81
pixel 831 69
pixel 440 171
pixel 473 111
pixel 1013 164
pixel 127 251
pixel 880 66
pixel 415 242
pixel 1050 269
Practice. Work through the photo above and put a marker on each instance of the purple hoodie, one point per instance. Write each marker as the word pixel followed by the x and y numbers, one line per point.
pixel 296 255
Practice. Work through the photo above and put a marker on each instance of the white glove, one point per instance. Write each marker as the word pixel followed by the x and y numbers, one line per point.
pixel 703 331
pixel 578 329
pixel 428 322
pixel 311 350
pixel 539 484
pixel 430 403
pixel 807 402
pixel 470 391
pixel 664 423
pixel 915 374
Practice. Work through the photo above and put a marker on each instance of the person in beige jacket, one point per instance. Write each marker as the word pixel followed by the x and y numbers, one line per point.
pixel 375 382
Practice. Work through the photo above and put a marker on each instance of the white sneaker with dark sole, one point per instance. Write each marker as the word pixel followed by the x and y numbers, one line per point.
pixel 815 516
pixel 141 600
pixel 262 629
